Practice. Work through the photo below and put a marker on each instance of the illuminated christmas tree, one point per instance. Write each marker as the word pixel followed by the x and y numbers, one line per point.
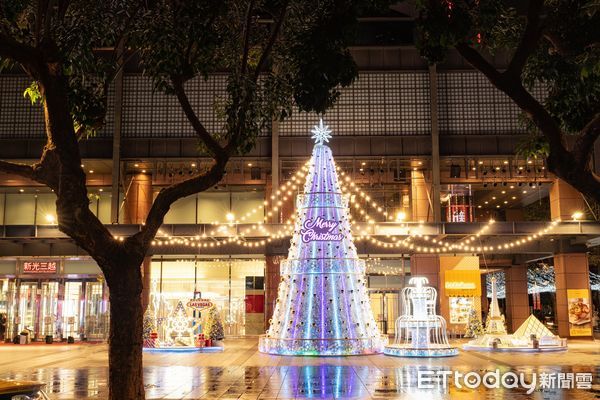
pixel 322 306
pixel 213 328
pixel 474 324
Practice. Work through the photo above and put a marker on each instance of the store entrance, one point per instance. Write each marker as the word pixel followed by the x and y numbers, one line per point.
pixel 386 309
pixel 58 308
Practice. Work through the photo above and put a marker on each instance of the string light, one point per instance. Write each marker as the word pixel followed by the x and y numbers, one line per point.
pixel 285 193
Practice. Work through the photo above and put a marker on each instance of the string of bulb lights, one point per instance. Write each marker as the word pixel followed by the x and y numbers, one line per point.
pixel 285 193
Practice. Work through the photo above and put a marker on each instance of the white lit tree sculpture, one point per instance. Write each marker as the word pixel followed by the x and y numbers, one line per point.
pixel 322 306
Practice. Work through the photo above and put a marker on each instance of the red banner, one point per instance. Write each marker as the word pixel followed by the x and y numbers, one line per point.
pixel 40 267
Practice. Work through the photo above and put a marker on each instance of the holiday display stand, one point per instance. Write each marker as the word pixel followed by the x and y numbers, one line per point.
pixel 531 336
pixel 322 306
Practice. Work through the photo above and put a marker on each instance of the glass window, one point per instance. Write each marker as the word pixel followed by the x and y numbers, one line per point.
pixel 46 209
pixel 20 209
pixel 104 207
pixel 213 207
pixel 183 211
pixel 246 202
pixel 223 282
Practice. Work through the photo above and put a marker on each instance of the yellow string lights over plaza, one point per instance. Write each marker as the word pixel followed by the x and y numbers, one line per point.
pixel 411 239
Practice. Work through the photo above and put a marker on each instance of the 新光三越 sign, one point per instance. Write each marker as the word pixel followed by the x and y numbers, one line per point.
pixel 40 267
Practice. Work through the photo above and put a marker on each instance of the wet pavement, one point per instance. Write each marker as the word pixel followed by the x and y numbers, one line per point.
pixel 242 373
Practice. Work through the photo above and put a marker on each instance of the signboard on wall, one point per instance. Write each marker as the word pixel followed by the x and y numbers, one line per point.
pixel 580 312
pixel 462 283
pixel 199 304
pixel 40 267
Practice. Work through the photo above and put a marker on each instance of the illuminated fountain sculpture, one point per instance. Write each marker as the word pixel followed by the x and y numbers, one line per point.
pixel 531 336
pixel 419 331
pixel 322 304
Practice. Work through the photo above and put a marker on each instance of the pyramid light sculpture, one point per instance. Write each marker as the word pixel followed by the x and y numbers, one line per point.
pixel 322 305
pixel 531 336
pixel 419 331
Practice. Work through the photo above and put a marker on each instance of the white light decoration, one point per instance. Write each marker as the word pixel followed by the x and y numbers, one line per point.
pixel 321 133
pixel 419 331
pixel 531 336
pixel 322 306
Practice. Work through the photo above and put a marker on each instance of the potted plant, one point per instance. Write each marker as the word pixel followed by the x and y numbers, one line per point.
pixel 213 328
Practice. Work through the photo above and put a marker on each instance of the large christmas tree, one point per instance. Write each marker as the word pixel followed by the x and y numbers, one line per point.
pixel 322 305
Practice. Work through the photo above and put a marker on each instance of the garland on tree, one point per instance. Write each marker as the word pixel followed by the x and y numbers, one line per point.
pixel 213 329
pixel 474 325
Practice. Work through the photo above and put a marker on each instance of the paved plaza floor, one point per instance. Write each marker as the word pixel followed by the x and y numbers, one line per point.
pixel 80 372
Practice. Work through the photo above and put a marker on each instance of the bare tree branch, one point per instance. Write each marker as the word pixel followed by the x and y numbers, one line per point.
pixel 584 145
pixel 22 53
pixel 529 40
pixel 513 88
pixel 212 145
pixel 167 196
pixel 22 170
pixel 247 29
pixel 272 39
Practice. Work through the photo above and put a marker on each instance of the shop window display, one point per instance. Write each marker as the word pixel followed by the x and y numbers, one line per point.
pixel 234 287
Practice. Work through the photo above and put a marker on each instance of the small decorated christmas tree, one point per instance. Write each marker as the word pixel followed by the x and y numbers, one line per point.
pixel 149 325
pixel 474 326
pixel 213 329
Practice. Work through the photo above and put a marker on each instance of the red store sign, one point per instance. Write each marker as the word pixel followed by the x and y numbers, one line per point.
pixel 39 267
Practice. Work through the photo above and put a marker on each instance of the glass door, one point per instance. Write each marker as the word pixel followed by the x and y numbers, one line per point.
pixel 49 308
pixel 71 310
pixel 28 304
pixel 96 313
pixel 386 309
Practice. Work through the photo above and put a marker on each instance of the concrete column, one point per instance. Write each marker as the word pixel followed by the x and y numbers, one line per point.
pixel 421 197
pixel 138 199
pixel 275 161
pixel 272 279
pixel 138 202
pixel 517 297
pixel 571 271
pixel 564 200
pixel 116 151
pixel 435 145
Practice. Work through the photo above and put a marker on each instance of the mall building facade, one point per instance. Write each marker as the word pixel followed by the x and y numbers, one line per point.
pixel 431 144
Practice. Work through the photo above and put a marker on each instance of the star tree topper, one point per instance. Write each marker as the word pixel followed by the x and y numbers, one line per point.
pixel 321 133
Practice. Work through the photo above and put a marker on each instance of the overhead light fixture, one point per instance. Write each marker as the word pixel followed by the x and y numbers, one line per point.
pixel 577 215
pixel 230 217
pixel 400 216
pixel 21 190
pixel 50 218
pixel 193 165
pixel 91 171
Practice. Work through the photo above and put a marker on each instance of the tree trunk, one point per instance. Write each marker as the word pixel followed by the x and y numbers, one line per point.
pixel 126 380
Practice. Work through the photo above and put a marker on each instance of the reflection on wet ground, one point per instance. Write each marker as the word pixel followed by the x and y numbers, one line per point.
pixel 298 382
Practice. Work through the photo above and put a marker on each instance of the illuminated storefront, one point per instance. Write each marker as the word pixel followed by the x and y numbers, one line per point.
pixel 60 298
pixel 234 286
pixel 460 291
